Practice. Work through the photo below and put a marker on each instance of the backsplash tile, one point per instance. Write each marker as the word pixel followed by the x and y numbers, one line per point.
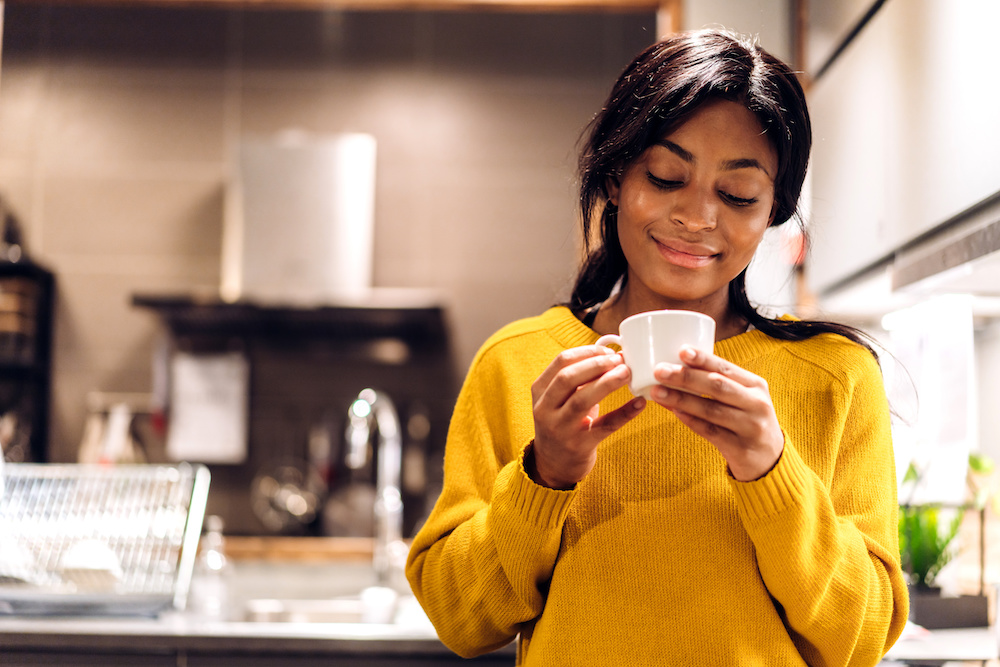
pixel 116 127
pixel 142 215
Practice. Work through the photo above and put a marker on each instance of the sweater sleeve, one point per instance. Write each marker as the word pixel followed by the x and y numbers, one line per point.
pixel 481 563
pixel 829 554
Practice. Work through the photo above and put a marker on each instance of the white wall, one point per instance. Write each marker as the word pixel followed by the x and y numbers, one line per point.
pixel 987 363
pixel 905 131
pixel 906 139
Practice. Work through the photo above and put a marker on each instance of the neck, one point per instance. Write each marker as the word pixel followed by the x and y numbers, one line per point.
pixel 728 323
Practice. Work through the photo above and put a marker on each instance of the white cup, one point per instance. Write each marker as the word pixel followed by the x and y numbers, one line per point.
pixel 654 337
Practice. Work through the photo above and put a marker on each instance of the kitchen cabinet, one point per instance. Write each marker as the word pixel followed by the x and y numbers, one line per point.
pixel 905 141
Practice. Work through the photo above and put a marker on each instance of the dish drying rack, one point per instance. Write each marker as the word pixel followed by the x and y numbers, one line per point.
pixel 94 539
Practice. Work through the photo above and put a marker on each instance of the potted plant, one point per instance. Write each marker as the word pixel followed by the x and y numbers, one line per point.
pixel 926 542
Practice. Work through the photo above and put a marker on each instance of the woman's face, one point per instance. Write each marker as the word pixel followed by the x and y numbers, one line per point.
pixel 693 207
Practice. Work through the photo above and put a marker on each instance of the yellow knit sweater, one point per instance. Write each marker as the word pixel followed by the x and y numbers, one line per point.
pixel 659 556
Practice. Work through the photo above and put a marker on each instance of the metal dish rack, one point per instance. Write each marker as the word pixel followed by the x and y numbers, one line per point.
pixel 93 539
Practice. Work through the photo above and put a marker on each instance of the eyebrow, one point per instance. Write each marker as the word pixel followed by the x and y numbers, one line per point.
pixel 728 165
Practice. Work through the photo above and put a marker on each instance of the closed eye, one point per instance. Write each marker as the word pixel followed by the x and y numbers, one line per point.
pixel 737 201
pixel 662 183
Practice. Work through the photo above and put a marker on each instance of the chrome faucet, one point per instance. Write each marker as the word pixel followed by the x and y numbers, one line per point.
pixel 389 552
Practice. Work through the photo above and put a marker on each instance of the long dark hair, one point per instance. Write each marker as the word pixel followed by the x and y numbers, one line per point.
pixel 662 86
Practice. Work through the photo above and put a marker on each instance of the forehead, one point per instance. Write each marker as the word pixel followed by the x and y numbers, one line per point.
pixel 724 130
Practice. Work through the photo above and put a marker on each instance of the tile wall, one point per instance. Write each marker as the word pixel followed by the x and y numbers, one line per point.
pixel 116 124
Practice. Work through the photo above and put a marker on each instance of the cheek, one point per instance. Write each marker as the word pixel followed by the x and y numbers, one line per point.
pixel 638 209
pixel 631 214
pixel 746 235
pixel 631 237
pixel 632 200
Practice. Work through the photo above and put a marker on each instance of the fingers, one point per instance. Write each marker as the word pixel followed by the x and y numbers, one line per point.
pixel 725 406
pixel 699 359
pixel 728 406
pixel 580 377
pixel 568 421
pixel 614 420
pixel 708 430
pixel 568 358
pixel 705 374
pixel 714 421
pixel 746 463
pixel 570 402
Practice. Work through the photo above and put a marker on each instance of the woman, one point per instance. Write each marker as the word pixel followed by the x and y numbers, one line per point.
pixel 748 520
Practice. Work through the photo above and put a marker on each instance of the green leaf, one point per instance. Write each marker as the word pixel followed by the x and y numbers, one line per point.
pixel 924 546
pixel 981 463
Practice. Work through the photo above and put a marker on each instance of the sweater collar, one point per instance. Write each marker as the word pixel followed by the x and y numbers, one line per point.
pixel 740 349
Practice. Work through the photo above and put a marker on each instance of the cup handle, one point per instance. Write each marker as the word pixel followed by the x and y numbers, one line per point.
pixel 609 339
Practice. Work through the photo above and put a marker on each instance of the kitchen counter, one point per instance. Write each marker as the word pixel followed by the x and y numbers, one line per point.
pixel 919 646
pixel 194 639
pixel 185 632
pixel 312 570
pixel 176 639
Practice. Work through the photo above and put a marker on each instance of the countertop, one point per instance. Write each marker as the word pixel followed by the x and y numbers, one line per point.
pixel 230 631
pixel 183 632
pixel 312 571
pixel 954 644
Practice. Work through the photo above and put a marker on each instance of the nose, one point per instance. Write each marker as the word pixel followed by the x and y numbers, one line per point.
pixel 695 209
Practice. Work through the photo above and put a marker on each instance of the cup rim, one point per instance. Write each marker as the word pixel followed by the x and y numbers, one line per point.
pixel 648 313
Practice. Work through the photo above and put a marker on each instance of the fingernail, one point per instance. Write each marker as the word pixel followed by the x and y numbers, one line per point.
pixel 639 404
pixel 688 353
pixel 661 392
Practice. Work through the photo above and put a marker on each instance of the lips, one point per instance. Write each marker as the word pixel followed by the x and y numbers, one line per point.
pixel 686 255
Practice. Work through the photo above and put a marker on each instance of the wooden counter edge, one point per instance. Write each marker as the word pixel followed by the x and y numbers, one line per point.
pixel 306 549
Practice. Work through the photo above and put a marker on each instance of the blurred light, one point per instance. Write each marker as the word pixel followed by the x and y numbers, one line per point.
pixel 361 408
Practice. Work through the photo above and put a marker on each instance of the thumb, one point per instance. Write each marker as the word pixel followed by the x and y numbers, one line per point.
pixel 614 420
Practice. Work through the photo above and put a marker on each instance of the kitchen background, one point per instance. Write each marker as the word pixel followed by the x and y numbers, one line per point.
pixel 118 123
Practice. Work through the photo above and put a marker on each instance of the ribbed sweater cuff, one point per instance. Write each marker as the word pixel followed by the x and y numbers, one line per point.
pixel 772 494
pixel 537 505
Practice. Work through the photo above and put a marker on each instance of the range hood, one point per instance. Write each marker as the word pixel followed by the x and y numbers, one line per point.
pixel 300 218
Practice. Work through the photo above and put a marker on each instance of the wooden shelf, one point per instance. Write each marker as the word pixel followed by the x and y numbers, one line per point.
pixel 412 320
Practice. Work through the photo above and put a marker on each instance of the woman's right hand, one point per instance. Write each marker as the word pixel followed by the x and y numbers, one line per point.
pixel 568 423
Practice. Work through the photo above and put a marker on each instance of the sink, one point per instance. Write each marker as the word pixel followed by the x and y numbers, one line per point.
pixel 373 605
pixel 330 592
pixel 343 610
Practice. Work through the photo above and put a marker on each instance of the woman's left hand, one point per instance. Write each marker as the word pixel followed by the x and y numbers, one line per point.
pixel 729 406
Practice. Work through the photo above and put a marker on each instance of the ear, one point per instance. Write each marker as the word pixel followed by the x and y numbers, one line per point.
pixel 613 188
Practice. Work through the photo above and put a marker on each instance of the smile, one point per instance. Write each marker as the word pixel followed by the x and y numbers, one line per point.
pixel 685 256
